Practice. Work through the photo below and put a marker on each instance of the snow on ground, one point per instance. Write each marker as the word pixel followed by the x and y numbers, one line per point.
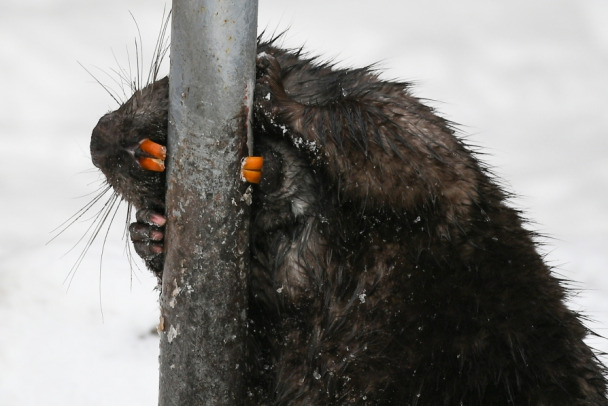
pixel 528 81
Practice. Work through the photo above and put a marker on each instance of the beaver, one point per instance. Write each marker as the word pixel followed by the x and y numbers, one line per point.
pixel 387 267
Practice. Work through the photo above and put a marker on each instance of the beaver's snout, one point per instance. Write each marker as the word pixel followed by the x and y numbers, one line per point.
pixel 101 144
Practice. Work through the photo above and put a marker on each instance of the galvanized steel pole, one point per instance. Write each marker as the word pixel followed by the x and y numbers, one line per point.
pixel 204 292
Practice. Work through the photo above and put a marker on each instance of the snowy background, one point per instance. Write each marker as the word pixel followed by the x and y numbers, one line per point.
pixel 528 81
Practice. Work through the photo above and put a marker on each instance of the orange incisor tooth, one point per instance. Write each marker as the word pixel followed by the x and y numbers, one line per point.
pixel 152 164
pixel 252 176
pixel 253 163
pixel 252 169
pixel 152 148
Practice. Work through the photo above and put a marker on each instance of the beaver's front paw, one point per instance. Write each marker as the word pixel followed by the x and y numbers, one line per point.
pixel 269 90
pixel 147 235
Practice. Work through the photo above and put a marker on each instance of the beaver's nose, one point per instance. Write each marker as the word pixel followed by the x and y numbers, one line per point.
pixel 101 140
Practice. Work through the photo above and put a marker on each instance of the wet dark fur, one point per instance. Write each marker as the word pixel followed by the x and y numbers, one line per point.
pixel 386 267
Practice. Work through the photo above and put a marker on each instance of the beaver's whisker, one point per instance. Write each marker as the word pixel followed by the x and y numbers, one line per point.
pixel 61 228
pixel 160 49
pixel 126 237
pixel 104 87
pixel 93 231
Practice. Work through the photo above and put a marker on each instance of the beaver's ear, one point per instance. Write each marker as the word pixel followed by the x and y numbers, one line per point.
pixel 151 156
pixel 251 170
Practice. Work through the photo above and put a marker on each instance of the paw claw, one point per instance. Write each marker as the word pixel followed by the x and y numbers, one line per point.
pixel 150 217
pixel 252 169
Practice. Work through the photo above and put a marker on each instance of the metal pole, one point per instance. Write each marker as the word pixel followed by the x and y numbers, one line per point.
pixel 204 289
